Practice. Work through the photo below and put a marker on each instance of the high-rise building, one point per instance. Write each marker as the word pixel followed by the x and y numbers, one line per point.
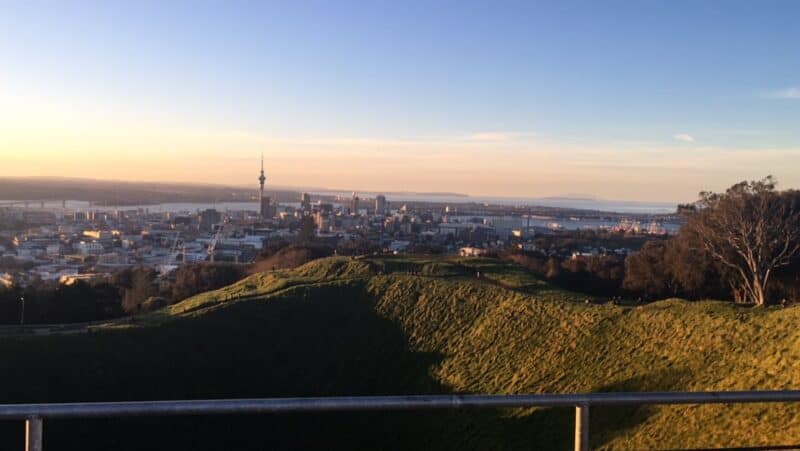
pixel 354 204
pixel 305 201
pixel 265 209
pixel 380 204
pixel 208 218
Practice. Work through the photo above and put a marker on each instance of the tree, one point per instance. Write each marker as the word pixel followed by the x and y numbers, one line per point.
pixel 200 277
pixel 598 274
pixel 694 272
pixel 751 230
pixel 647 271
pixel 357 246
pixel 553 268
pixel 271 248
pixel 140 288
pixel 292 256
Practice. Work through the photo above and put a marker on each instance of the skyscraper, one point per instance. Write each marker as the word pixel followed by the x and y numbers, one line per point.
pixel 354 204
pixel 305 201
pixel 208 218
pixel 380 204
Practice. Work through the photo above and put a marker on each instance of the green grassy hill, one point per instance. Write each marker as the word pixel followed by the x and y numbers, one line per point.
pixel 342 326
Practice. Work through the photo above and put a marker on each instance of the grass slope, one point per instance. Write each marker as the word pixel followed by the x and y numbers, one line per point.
pixel 416 325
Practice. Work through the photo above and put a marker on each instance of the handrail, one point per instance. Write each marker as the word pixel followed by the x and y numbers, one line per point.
pixel 34 413
pixel 351 403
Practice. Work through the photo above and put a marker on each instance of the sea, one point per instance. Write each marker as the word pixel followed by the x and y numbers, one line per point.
pixel 614 206
pixel 631 207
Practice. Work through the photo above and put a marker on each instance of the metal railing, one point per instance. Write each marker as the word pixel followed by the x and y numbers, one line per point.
pixel 33 414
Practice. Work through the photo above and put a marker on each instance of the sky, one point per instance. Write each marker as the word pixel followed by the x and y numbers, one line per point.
pixel 637 100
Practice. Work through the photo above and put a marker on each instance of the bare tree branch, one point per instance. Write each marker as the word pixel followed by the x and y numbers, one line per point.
pixel 751 229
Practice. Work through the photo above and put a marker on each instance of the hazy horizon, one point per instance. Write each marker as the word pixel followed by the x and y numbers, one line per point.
pixel 392 195
pixel 642 102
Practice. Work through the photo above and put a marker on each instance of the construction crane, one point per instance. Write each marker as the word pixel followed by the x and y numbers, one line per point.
pixel 212 247
pixel 172 251
pixel 170 260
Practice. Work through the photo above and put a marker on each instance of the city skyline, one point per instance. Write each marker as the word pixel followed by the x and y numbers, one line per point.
pixel 525 101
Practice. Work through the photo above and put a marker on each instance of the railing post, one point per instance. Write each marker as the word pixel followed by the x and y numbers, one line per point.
pixel 33 434
pixel 582 427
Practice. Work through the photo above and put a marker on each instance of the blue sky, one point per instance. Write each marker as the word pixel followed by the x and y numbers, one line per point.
pixel 603 98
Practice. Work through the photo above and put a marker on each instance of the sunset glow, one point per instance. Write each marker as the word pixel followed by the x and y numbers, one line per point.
pixel 86 92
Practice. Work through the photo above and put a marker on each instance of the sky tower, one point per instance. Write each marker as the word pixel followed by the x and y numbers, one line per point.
pixel 263 202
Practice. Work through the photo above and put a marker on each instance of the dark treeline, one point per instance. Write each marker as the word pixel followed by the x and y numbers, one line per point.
pixel 130 291
pixel 742 245
pixel 673 268
pixel 290 254
pixel 661 268
pixel 600 275
pixel 54 303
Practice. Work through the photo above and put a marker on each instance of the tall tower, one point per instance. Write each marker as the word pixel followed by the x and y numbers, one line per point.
pixel 354 204
pixel 263 202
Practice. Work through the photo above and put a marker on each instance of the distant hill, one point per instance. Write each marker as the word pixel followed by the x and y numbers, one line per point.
pixel 342 326
pixel 121 193
pixel 126 192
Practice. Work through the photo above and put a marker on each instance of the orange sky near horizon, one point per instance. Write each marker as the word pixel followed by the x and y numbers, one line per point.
pixel 42 138
pixel 482 164
pixel 524 101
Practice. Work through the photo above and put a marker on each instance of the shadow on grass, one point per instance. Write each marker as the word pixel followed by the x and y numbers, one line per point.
pixel 553 428
pixel 609 422
pixel 314 341
pixel 324 340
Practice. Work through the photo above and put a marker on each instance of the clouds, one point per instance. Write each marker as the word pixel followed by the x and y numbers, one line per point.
pixel 683 137
pixel 792 93
pixel 497 136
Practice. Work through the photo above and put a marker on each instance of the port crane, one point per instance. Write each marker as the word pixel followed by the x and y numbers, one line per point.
pixel 171 258
pixel 212 246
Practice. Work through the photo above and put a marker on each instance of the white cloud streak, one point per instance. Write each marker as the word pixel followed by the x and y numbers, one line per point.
pixel 792 93
pixel 497 136
pixel 683 137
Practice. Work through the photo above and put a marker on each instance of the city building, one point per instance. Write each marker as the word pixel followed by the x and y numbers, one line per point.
pixel 93 240
pixel 89 248
pixel 380 205
pixel 354 204
pixel 505 226
pixel 305 202
pixel 97 234
pixel 267 209
pixel 208 219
